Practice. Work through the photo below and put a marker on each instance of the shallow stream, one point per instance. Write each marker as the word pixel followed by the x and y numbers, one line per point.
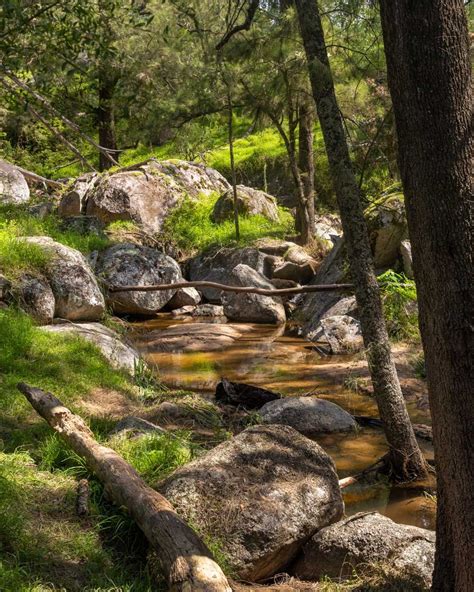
pixel 272 358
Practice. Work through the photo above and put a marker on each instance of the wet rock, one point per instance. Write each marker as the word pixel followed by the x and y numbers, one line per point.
pixel 119 354
pixel 252 308
pixel 184 297
pixel 261 494
pixel 76 292
pixel 136 425
pixel 300 274
pixel 388 228
pixel 405 252
pixel 127 264
pixel 36 298
pixel 250 202
pixel 343 334
pixel 192 337
pixel 83 225
pixel 245 395
pixel 13 186
pixel 308 415
pixel 368 538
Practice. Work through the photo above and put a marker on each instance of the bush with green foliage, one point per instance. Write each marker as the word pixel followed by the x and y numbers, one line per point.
pixel 400 305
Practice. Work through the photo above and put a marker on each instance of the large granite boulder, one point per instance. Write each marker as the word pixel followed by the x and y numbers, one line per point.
pixel 13 186
pixel 388 228
pixel 252 308
pixel 217 266
pixel 36 297
pixel 119 354
pixel 184 297
pixel 250 202
pixel 308 415
pixel 261 495
pixel 73 201
pixel 76 292
pixel 127 264
pixel 368 538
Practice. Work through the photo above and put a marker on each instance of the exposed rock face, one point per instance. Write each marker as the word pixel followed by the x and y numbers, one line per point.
pixel 308 415
pixel 388 227
pixel 128 264
pixel 252 308
pixel 405 252
pixel 343 334
pixel 184 297
pixel 217 267
pixel 367 538
pixel 261 494
pixel 13 186
pixel 37 298
pixel 192 337
pixel 120 355
pixel 250 202
pixel 75 289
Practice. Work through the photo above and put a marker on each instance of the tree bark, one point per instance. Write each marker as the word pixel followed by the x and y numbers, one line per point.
pixel 427 50
pixel 186 561
pixel 230 130
pixel 405 456
pixel 106 118
pixel 306 162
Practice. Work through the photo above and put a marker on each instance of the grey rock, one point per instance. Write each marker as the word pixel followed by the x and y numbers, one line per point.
pixel 137 425
pixel 184 297
pixel 83 225
pixel 308 415
pixel 343 334
pixel 76 292
pixel 36 298
pixel 298 255
pixel 388 227
pixel 121 355
pixel 368 538
pixel 41 210
pixel 407 259
pixel 127 264
pixel 261 494
pixel 73 202
pixel 252 308
pixel 301 274
pixel 13 186
pixel 183 311
pixel 274 246
pixel 250 202
pixel 208 310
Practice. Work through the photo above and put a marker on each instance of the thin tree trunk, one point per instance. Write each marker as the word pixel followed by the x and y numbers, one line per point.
pixel 106 119
pixel 429 74
pixel 185 559
pixel 306 161
pixel 232 165
pixel 404 453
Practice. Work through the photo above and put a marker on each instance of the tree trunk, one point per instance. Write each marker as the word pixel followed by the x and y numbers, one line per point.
pixel 404 453
pixel 306 161
pixel 186 561
pixel 427 49
pixel 106 119
pixel 230 129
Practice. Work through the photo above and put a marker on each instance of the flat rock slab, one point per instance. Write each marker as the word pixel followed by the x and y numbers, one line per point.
pixel 120 355
pixel 369 538
pixel 193 337
pixel 308 415
pixel 261 494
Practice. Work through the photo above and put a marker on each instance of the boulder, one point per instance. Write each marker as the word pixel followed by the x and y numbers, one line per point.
pixel 83 225
pixel 13 186
pixel 299 256
pixel 194 178
pixel 192 337
pixel 36 298
pixel 261 494
pixel 308 415
pixel 407 260
pixel 328 228
pixel 41 210
pixel 245 395
pixel 208 310
pixel 136 425
pixel 252 308
pixel 343 334
pixel 184 297
pixel 387 227
pixel 369 538
pixel 217 266
pixel 183 311
pixel 73 202
pixel 119 354
pixel 274 246
pixel 127 264
pixel 76 292
pixel 300 274
pixel 250 202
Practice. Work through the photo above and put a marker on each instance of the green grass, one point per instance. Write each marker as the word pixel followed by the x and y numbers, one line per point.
pixel 191 229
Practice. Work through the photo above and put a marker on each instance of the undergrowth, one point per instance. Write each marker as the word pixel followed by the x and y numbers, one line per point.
pixel 400 307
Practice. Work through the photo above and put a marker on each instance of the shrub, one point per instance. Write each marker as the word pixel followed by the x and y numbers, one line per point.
pixel 399 302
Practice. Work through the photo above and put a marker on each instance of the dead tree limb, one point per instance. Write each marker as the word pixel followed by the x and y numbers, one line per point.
pixel 185 559
pixel 226 288
pixel 34 178
pixel 374 468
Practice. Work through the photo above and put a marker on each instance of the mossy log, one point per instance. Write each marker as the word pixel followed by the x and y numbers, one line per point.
pixel 186 561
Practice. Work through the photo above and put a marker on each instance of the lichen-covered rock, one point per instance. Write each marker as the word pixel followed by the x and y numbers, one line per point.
pixel 13 186
pixel 261 495
pixel 76 292
pixel 120 355
pixel 252 308
pixel 127 264
pixel 368 538
pixel 343 334
pixel 308 415
pixel 36 298
pixel 388 227
pixel 250 202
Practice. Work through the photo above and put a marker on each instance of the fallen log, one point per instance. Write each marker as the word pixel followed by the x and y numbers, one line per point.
pixel 226 288
pixel 34 178
pixel 185 559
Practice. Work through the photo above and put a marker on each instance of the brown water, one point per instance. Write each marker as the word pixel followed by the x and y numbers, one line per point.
pixel 271 358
